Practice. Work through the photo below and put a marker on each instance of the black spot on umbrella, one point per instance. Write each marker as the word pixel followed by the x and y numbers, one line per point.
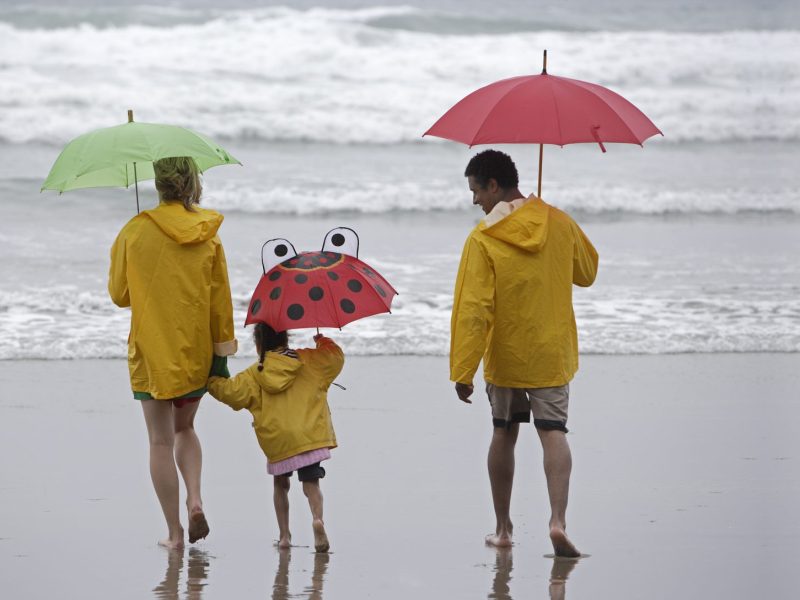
pixel 347 306
pixel 380 290
pixel 295 312
pixel 354 285
pixel 337 239
pixel 316 293
pixel 369 273
pixel 255 307
pixel 333 276
pixel 281 250
pixel 301 278
pixel 275 275
pixel 275 293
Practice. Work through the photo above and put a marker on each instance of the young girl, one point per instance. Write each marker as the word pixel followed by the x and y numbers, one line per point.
pixel 286 391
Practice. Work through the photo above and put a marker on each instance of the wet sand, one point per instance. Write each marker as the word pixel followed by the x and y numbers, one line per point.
pixel 685 485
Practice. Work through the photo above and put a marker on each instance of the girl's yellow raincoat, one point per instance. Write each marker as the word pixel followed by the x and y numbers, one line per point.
pixel 513 296
pixel 168 265
pixel 288 399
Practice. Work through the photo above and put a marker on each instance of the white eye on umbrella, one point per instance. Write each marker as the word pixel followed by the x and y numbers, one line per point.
pixel 342 240
pixel 274 252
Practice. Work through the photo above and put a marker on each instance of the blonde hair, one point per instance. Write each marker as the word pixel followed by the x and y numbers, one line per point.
pixel 178 180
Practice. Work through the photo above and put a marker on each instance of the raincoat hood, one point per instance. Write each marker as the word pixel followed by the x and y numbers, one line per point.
pixel 522 223
pixel 183 226
pixel 279 372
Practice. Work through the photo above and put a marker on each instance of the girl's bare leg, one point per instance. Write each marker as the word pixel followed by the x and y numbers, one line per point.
pixel 314 494
pixel 189 458
pixel 160 431
pixel 280 497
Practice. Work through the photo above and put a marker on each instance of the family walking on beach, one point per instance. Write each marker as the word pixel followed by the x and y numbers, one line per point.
pixel 512 309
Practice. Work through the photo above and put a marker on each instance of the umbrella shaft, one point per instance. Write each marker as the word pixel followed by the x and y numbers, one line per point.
pixel 539 188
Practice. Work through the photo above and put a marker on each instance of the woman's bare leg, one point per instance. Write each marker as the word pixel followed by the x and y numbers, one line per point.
pixel 160 431
pixel 189 458
pixel 280 496
pixel 314 494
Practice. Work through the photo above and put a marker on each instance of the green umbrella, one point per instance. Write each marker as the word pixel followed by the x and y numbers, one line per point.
pixel 121 155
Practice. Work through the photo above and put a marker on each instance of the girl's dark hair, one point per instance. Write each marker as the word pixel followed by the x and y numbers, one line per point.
pixel 266 339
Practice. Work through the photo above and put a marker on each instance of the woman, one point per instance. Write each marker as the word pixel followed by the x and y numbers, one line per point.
pixel 168 265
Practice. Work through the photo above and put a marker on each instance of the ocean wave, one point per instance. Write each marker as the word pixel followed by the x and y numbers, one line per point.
pixel 63 322
pixel 580 199
pixel 351 77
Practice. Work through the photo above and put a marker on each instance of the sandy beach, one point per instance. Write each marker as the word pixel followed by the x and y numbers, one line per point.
pixel 684 486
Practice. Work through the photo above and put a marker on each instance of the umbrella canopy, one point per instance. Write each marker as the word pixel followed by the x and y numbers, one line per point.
pixel 544 109
pixel 123 155
pixel 327 288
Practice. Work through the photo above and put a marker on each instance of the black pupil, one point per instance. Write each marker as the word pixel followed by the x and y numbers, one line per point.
pixel 337 239
pixel 281 250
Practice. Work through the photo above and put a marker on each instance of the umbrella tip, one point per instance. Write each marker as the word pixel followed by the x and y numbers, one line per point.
pixel 130 116
pixel 544 63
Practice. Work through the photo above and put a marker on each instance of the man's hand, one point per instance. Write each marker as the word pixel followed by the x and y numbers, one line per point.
pixel 464 391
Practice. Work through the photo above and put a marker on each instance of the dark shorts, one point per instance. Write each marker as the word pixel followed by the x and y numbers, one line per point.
pixel 309 473
pixel 514 405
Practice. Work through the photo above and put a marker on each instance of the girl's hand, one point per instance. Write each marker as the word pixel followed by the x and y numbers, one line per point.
pixel 318 336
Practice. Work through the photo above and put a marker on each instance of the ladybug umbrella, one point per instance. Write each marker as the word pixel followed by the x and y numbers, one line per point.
pixel 327 288
pixel 544 109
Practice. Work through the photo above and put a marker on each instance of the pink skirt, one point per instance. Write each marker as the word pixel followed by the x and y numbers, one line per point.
pixel 298 461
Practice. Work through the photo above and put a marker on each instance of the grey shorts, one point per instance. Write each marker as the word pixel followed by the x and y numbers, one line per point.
pixel 514 405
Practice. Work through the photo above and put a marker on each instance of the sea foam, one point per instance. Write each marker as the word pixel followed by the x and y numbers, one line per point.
pixel 344 76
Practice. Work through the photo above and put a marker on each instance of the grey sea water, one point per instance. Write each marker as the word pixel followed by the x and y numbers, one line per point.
pixel 325 104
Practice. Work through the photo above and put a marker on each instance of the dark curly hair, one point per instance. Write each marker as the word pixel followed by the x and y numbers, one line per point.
pixel 266 339
pixel 493 164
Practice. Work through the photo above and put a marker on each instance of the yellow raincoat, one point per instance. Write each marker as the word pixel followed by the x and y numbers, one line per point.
pixel 513 296
pixel 168 265
pixel 288 399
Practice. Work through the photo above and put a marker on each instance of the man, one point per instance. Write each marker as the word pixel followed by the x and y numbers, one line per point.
pixel 513 309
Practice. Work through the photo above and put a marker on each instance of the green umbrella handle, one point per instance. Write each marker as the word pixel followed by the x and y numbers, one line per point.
pixel 136 185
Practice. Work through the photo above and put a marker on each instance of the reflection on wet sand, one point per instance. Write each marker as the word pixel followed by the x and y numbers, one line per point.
pixel 503 565
pixel 559 574
pixel 313 591
pixel 196 575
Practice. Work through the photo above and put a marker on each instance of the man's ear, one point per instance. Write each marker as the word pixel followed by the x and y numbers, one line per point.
pixel 491 185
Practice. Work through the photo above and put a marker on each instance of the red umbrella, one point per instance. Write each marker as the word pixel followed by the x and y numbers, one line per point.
pixel 327 288
pixel 543 109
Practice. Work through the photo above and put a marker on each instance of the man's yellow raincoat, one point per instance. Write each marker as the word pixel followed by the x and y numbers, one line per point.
pixel 513 296
pixel 168 265
pixel 288 399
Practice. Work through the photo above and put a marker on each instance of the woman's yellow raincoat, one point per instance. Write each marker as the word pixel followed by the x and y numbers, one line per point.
pixel 288 399
pixel 513 296
pixel 168 265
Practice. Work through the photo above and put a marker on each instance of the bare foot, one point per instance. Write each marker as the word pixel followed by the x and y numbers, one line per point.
pixel 502 540
pixel 172 544
pixel 561 544
pixel 285 542
pixel 321 543
pixel 198 526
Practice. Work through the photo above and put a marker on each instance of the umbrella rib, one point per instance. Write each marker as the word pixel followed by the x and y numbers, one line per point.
pixel 558 113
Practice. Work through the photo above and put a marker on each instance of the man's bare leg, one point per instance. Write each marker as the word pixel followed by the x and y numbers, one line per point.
pixel 164 474
pixel 557 469
pixel 189 457
pixel 280 496
pixel 501 478
pixel 314 494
